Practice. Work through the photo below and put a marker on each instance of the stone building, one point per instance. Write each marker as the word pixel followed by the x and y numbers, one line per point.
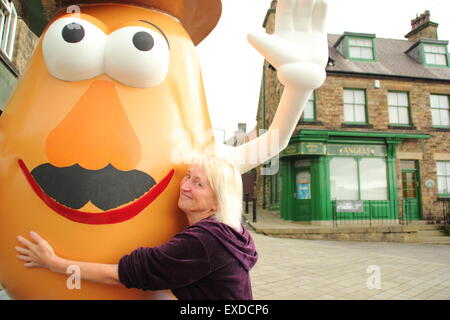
pixel 17 43
pixel 21 25
pixel 374 139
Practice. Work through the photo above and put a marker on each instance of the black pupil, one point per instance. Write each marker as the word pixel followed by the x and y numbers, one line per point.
pixel 73 33
pixel 143 41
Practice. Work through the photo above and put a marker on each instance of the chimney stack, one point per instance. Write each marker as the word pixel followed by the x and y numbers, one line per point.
pixel 422 27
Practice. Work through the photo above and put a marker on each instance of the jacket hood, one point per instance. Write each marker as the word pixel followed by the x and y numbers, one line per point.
pixel 239 244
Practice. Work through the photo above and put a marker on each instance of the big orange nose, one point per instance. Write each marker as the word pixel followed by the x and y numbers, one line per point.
pixel 95 133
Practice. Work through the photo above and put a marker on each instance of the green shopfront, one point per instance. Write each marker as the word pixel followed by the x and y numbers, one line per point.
pixel 322 170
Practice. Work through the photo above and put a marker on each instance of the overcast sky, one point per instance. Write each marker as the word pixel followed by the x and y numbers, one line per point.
pixel 232 69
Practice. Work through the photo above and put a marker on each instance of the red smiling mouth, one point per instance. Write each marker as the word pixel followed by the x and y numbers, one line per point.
pixel 107 217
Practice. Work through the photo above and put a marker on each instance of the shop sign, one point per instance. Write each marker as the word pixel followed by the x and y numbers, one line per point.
pixel 305 148
pixel 349 206
pixel 356 150
pixel 312 148
pixel 290 150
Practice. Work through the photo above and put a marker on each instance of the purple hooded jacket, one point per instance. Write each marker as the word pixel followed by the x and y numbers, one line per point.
pixel 208 260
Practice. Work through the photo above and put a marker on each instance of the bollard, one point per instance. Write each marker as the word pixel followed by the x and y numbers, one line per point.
pixel 254 209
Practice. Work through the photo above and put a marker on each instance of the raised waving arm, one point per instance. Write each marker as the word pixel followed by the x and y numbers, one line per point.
pixel 298 49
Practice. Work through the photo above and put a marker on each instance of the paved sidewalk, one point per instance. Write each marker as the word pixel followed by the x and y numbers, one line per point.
pixel 270 223
pixel 334 270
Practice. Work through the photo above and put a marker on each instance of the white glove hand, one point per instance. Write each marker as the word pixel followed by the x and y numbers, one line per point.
pixel 298 49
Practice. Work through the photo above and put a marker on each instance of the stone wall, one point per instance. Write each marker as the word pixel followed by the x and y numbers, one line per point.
pixel 24 46
pixel 405 234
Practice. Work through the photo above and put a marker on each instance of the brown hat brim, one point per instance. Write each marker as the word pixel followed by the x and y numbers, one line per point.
pixel 199 17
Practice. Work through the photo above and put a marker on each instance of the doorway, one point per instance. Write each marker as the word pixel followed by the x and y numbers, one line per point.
pixel 303 190
pixel 411 190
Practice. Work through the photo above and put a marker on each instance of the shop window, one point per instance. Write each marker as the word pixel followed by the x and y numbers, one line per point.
pixel 355 106
pixel 398 108
pixel 443 175
pixel 440 110
pixel 344 179
pixel 358 178
pixel 373 179
pixel 8 23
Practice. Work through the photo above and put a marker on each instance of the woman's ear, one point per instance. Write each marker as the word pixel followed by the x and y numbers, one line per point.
pixel 215 207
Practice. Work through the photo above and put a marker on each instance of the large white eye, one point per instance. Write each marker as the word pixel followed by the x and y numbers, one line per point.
pixel 137 57
pixel 74 49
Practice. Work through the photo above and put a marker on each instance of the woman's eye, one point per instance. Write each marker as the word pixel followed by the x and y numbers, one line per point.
pixel 137 57
pixel 73 49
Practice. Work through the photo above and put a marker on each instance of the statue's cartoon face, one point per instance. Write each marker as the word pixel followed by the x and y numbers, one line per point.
pixel 87 142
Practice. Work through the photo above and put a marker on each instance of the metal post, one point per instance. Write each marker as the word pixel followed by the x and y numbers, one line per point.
pixel 254 209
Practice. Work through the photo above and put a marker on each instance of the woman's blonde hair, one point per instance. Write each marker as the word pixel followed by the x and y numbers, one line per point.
pixel 226 181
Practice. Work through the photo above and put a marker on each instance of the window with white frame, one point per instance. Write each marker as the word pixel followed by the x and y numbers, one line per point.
pixel 8 24
pixel 355 105
pixel 398 108
pixel 435 55
pixel 440 110
pixel 443 175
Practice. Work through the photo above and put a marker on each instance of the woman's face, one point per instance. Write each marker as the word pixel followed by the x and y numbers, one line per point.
pixel 196 193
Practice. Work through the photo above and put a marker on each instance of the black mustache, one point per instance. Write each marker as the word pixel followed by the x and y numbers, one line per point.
pixel 106 188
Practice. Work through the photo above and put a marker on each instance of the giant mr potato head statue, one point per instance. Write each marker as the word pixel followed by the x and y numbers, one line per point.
pixel 94 140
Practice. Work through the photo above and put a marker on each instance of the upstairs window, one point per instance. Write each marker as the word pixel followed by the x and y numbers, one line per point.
pixel 361 49
pixel 440 110
pixel 398 108
pixel 8 23
pixel 435 55
pixel 309 114
pixel 355 106
pixel 357 46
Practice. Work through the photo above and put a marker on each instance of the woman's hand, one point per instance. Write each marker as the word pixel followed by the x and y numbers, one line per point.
pixel 36 255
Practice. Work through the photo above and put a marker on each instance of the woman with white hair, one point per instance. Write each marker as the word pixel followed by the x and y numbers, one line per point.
pixel 210 259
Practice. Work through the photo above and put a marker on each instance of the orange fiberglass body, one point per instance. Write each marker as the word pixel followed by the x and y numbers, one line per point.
pixel 87 161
